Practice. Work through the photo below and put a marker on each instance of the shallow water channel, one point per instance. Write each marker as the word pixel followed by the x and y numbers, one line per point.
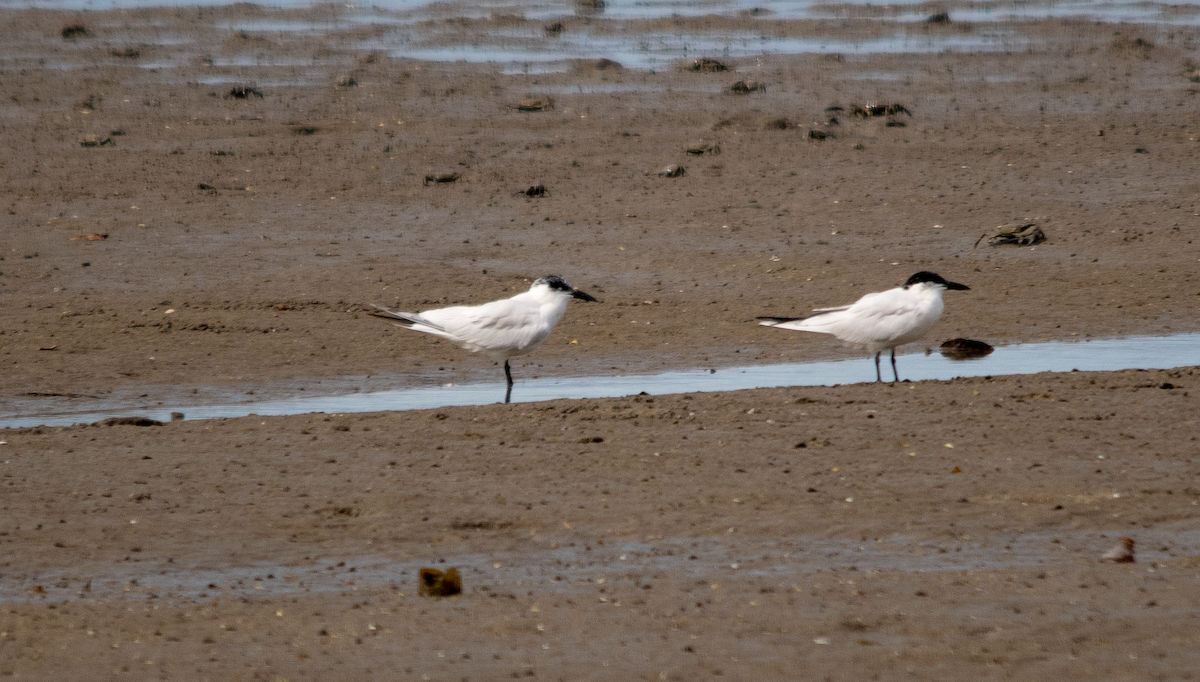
pixel 1138 352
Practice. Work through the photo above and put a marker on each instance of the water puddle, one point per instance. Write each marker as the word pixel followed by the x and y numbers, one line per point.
pixel 1139 352
pixel 1133 12
pixel 613 88
pixel 260 60
pixel 427 31
pixel 223 79
pixel 885 76
pixel 649 51
pixel 1109 11
pixel 552 569
pixel 342 22
pixel 260 64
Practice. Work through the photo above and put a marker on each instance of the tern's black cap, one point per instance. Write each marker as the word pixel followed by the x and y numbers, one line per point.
pixel 933 278
pixel 557 283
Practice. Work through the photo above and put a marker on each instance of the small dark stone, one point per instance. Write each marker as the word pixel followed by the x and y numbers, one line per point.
pixel 243 92
pixel 441 178
pixel 965 349
pixel 536 104
pixel 747 87
pixel 707 65
pixel 672 171
pixel 870 109
pixel 129 421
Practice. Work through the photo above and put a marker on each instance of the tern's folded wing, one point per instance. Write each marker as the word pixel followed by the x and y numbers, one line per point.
pixel 799 323
pixel 895 303
pixel 880 318
pixel 496 326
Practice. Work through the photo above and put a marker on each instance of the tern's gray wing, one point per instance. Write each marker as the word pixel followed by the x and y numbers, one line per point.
pixel 879 320
pixel 507 327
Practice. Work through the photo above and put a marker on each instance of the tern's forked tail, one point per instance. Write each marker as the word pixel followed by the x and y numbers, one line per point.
pixel 406 319
pixel 774 321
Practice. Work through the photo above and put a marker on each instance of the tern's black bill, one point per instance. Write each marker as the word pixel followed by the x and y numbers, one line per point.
pixel 957 286
pixel 583 295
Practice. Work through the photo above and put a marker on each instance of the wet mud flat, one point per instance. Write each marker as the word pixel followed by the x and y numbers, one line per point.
pixel 172 230
pixel 922 528
pixel 238 241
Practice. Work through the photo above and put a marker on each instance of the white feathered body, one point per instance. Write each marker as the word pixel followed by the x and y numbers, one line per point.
pixel 878 321
pixel 501 329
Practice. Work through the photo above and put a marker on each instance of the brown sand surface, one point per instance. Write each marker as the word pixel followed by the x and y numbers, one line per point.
pixel 944 530
pixel 919 530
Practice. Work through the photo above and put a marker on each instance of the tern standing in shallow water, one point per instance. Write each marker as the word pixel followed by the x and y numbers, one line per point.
pixel 501 329
pixel 879 321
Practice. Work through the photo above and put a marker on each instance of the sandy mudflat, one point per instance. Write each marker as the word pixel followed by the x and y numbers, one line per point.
pixel 937 530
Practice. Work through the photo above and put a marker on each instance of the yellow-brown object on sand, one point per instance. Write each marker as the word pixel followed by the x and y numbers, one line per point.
pixel 435 583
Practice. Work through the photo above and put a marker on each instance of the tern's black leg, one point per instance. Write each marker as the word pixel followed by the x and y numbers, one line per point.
pixel 894 373
pixel 508 375
pixel 878 377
